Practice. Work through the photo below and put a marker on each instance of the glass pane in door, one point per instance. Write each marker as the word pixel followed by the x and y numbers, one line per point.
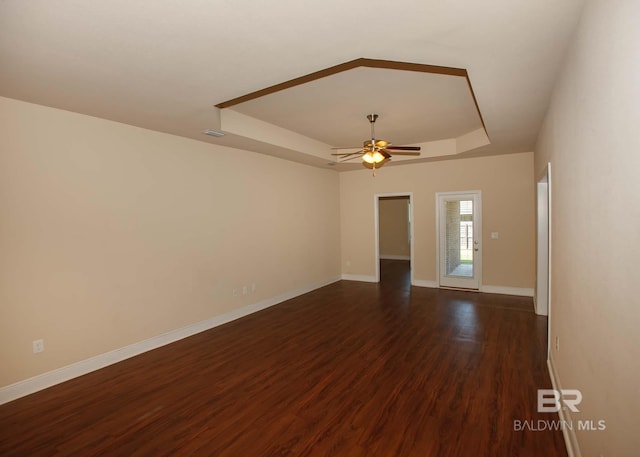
pixel 459 240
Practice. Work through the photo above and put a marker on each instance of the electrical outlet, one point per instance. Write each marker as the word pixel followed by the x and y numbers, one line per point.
pixel 557 343
pixel 245 289
pixel 235 292
pixel 38 346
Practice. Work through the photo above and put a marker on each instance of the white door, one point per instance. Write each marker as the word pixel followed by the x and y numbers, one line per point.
pixel 459 239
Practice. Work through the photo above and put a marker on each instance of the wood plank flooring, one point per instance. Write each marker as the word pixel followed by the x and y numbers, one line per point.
pixel 352 369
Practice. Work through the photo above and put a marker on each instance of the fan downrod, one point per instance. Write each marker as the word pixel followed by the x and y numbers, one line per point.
pixel 372 119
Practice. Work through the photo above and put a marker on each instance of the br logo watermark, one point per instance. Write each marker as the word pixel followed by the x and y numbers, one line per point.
pixel 551 400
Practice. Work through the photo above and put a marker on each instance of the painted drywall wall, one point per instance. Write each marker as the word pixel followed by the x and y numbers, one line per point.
pixel 111 234
pixel 393 220
pixel 507 189
pixel 591 138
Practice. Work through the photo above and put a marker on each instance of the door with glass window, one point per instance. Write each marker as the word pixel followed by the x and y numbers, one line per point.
pixel 459 239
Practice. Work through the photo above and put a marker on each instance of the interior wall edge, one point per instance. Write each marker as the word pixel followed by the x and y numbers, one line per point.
pixel 570 439
pixel 506 290
pixel 361 278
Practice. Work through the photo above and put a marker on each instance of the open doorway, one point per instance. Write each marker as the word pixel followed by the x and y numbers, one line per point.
pixel 394 238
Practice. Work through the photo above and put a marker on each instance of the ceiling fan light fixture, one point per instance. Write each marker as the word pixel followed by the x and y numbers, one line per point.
pixel 373 157
pixel 375 151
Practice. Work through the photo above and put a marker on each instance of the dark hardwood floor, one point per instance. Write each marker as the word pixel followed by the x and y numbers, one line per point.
pixel 352 369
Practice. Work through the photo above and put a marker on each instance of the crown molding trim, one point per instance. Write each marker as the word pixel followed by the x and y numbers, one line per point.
pixel 361 62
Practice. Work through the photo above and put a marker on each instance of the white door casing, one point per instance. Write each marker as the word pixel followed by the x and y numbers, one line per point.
pixel 459 239
pixel 376 214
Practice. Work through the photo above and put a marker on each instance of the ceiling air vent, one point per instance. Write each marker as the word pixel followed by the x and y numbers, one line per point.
pixel 212 132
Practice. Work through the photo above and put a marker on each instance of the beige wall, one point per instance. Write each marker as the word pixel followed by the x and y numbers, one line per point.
pixel 591 137
pixel 111 234
pixel 393 222
pixel 507 189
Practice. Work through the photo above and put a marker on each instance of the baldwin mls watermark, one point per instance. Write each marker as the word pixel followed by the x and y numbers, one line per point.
pixel 552 401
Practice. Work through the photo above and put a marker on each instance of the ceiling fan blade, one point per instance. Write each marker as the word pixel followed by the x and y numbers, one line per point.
pixel 344 159
pixel 403 153
pixel 344 156
pixel 385 154
pixel 347 153
pixel 349 147
pixel 403 148
pixel 381 144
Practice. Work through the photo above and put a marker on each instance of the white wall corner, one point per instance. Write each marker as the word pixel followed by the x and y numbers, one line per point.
pixel 51 378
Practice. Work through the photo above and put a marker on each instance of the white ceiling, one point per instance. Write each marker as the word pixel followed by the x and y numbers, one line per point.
pixel 413 107
pixel 163 65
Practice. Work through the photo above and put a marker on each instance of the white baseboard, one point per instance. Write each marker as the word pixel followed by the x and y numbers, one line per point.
pixel 51 378
pixel 394 257
pixel 362 278
pixel 569 434
pixel 521 291
pixel 487 289
pixel 424 283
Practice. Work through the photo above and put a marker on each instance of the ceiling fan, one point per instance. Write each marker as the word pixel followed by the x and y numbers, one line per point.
pixel 376 151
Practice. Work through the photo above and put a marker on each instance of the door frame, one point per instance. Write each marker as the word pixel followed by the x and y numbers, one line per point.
pixel 543 256
pixel 477 218
pixel 376 224
pixel 543 243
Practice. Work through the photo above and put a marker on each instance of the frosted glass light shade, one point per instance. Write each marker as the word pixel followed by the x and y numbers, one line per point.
pixel 373 157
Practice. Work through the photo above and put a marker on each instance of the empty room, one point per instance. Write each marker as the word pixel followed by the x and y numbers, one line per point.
pixel 319 228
